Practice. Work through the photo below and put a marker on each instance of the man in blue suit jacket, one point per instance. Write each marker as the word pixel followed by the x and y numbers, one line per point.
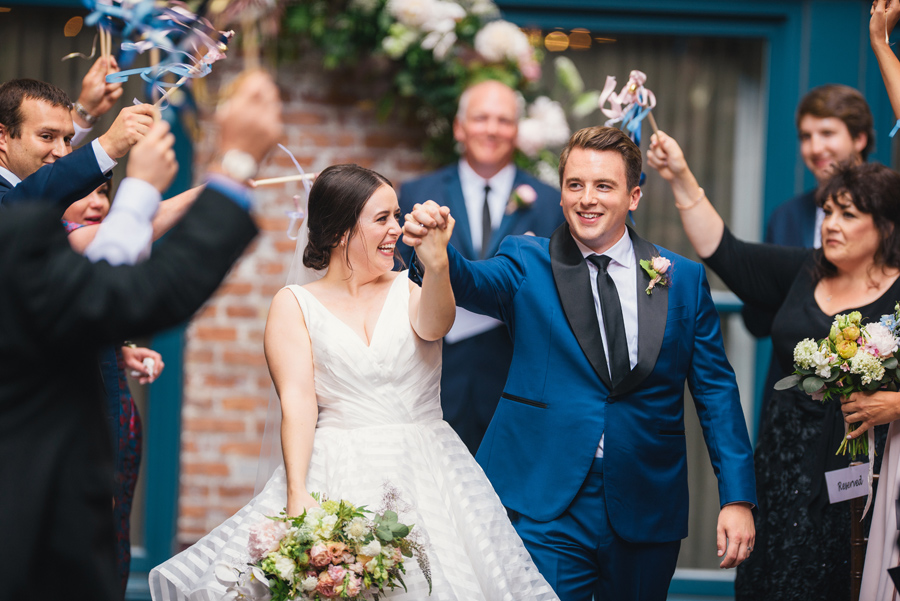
pixel 587 447
pixel 477 353
pixel 36 157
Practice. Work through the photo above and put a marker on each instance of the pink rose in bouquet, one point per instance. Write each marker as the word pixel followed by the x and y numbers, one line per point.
pixel 265 538
pixel 319 555
pixel 326 585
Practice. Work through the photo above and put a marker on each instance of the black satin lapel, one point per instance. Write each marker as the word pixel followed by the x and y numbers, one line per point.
pixel 573 283
pixel 651 313
pixel 453 198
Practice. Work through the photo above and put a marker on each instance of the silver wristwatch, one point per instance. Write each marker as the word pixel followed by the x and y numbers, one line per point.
pixel 239 165
pixel 82 112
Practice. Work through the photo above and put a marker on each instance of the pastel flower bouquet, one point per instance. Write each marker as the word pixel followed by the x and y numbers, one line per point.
pixel 329 552
pixel 855 357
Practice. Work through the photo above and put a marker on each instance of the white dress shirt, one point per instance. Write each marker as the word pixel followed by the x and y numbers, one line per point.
pixel 126 235
pixel 473 193
pixel 468 324
pixel 817 235
pixel 622 271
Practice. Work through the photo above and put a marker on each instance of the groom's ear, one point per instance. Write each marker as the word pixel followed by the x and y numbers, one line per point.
pixel 635 198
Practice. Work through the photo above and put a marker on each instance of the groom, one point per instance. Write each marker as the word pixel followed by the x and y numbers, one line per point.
pixel 587 447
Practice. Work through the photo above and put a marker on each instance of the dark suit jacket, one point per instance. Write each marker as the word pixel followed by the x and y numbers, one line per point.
pixel 70 178
pixel 475 369
pixel 558 398
pixel 56 309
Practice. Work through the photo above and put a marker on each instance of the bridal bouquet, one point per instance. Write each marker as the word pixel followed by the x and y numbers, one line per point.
pixel 853 358
pixel 329 552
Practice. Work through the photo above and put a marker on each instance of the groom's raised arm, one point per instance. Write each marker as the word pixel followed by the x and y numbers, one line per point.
pixel 485 287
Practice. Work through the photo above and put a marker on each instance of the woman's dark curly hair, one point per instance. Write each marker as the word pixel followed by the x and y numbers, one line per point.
pixel 875 190
pixel 335 203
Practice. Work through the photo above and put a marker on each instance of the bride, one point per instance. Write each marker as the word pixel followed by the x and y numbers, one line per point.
pixel 356 361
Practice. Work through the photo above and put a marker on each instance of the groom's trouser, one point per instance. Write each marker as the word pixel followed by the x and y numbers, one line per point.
pixel 583 558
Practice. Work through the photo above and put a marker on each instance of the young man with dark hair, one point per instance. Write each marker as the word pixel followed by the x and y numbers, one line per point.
pixel 586 449
pixel 36 157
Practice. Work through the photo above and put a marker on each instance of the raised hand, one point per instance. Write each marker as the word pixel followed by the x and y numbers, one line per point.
pixel 432 248
pixel 885 14
pixel 97 96
pixel 153 158
pixel 423 217
pixel 130 126
pixel 666 156
pixel 249 119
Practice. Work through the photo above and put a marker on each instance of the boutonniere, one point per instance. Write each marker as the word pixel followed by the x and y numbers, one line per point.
pixel 656 268
pixel 521 198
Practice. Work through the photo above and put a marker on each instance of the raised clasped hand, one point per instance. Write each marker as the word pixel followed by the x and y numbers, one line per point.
pixel 432 249
pixel 423 218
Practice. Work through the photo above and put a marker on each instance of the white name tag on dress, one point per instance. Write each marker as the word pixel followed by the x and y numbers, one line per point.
pixel 848 483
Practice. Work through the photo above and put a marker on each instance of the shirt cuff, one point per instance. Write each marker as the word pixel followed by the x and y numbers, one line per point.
pixel 80 134
pixel 139 197
pixel 225 185
pixel 106 164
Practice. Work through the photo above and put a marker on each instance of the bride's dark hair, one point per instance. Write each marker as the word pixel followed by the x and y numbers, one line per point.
pixel 335 203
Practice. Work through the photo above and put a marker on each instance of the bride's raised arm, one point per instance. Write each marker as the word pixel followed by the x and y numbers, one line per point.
pixel 432 308
pixel 702 223
pixel 289 357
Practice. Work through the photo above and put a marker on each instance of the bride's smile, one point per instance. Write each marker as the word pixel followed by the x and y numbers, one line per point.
pixel 378 230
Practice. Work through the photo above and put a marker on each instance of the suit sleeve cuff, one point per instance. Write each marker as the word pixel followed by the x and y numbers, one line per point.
pixel 81 133
pixel 228 187
pixel 105 163
pixel 138 197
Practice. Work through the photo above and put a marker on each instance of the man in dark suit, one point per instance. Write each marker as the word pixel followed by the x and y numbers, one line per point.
pixel 587 446
pixel 57 308
pixel 835 126
pixel 36 157
pixel 479 190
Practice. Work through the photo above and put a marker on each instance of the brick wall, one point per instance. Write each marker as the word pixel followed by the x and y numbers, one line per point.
pixel 227 385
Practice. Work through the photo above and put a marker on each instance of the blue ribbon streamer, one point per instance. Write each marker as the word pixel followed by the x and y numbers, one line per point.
pixel 896 128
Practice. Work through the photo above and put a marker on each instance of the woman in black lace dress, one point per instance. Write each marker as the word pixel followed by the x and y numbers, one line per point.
pixel 802 548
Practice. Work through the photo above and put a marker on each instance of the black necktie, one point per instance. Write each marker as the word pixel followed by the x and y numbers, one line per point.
pixel 613 323
pixel 486 229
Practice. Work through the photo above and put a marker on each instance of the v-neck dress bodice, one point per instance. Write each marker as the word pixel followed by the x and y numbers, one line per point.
pixel 394 380
pixel 379 429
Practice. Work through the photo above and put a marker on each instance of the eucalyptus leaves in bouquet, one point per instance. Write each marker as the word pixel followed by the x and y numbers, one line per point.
pixel 855 357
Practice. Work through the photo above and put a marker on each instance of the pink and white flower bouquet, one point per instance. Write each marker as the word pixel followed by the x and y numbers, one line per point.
pixel 334 551
pixel 852 358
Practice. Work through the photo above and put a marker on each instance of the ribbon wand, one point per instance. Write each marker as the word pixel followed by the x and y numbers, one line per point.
pixel 281 180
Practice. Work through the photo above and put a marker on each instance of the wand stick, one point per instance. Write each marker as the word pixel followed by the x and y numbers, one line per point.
pixel 652 122
pixel 281 180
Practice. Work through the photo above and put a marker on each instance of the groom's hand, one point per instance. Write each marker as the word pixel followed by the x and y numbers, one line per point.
pixel 735 534
pixel 424 217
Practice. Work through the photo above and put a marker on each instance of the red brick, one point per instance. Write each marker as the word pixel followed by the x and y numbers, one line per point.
pixel 206 312
pixel 387 140
pixel 189 511
pixel 244 403
pixel 245 492
pixel 249 449
pixel 205 469
pixel 235 288
pixel 219 381
pixel 270 267
pixel 241 358
pixel 272 224
pixel 285 246
pixel 207 424
pixel 195 356
pixel 219 334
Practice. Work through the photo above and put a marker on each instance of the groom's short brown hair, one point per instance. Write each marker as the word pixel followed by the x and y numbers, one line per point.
pixel 606 138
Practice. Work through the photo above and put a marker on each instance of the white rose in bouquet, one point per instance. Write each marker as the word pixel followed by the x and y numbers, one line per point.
pixel 412 13
pixel 880 341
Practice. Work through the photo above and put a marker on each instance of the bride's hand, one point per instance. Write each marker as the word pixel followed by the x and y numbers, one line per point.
pixel 299 503
pixel 432 249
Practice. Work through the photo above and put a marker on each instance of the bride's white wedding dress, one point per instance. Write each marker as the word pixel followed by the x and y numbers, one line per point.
pixel 380 422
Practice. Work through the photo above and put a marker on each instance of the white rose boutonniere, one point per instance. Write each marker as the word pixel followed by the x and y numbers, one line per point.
pixel 657 268
pixel 521 198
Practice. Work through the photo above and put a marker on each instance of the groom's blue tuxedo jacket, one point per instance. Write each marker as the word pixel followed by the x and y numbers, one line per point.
pixel 70 178
pixel 558 399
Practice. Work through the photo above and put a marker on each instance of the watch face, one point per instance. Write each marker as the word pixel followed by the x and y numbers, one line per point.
pixel 239 165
